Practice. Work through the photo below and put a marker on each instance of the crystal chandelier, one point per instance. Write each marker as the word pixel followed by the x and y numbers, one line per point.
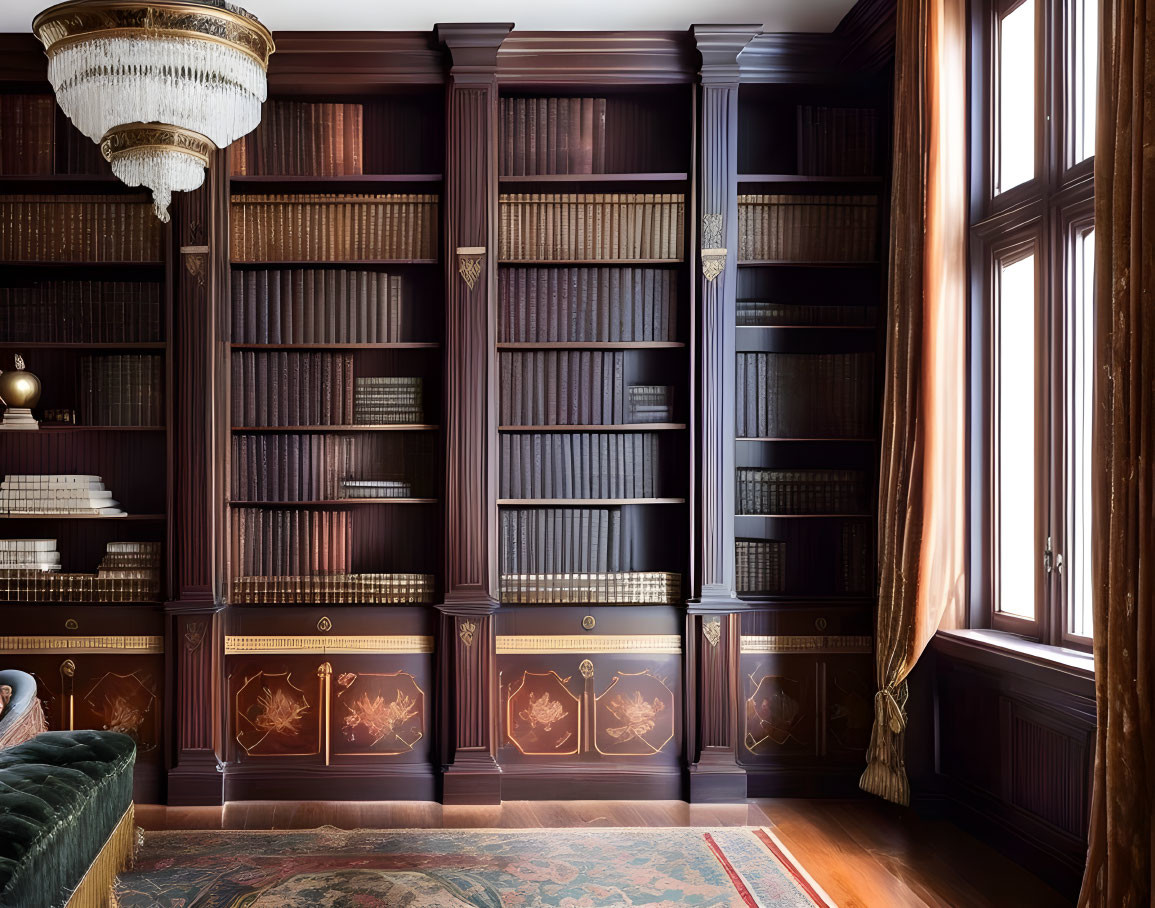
pixel 157 85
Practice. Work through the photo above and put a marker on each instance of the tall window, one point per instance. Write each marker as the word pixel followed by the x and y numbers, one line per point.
pixel 1033 79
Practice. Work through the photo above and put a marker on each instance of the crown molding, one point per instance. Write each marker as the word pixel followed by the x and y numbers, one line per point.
pixel 628 57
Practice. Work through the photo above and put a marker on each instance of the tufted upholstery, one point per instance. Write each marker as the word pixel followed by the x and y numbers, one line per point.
pixel 61 796
pixel 21 716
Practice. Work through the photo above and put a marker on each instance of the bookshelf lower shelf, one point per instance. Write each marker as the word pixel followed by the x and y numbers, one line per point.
pixel 619 427
pixel 584 502
pixel 400 427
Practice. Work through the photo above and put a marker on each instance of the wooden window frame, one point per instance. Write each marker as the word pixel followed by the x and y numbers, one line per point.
pixel 1043 215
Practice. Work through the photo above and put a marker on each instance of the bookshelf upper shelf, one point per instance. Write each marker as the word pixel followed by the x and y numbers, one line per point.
pixel 620 427
pixel 584 502
pixel 603 261
pixel 314 263
pixel 591 345
pixel 384 345
pixel 257 182
pixel 400 427
pixel 82 345
pixel 806 178
pixel 80 517
pixel 330 502
pixel 607 178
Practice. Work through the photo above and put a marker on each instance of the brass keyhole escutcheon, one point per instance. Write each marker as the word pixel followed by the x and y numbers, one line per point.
pixel 325 624
pixel 588 622
pixel 71 624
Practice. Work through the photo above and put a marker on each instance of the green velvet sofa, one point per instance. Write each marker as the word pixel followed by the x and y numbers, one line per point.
pixel 66 821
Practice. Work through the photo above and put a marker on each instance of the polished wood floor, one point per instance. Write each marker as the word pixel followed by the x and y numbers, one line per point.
pixel 865 854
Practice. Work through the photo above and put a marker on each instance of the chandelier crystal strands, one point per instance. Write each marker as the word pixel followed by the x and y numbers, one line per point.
pixel 159 85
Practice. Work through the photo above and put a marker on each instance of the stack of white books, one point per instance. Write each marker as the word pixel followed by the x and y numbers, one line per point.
pixel 29 555
pixel 57 493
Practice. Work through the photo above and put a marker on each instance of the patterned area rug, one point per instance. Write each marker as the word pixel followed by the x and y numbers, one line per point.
pixel 493 868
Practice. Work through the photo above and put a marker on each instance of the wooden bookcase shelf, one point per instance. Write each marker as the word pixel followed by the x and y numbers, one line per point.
pixel 390 345
pixel 605 263
pixel 340 430
pixel 584 502
pixel 329 263
pixel 331 502
pixel 601 427
pixel 808 179
pixel 17 346
pixel 85 517
pixel 592 345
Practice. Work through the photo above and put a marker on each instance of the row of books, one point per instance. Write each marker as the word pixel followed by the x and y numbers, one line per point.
pixel 837 141
pixel 122 390
pixel 552 135
pixel 564 540
pixel 552 227
pixel 808 228
pixel 316 306
pixel 388 400
pixel 650 403
pixel 57 493
pixel 38 141
pixel 759 313
pixel 581 304
pixel 37 586
pixel 30 572
pixel 334 589
pixel 616 588
pixel 760 566
pixel 290 541
pixel 562 387
pixel 292 388
pixel 29 555
pixel 804 395
pixel 762 491
pixel 67 228
pixel 312 467
pixel 333 228
pixel 81 312
pixel 856 562
pixel 303 138
pixel 580 465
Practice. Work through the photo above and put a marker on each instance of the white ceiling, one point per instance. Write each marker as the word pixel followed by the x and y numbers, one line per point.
pixel 527 15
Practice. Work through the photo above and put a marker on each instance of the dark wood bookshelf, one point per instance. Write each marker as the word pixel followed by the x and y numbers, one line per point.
pixel 601 262
pixel 340 429
pixel 811 179
pixel 793 263
pixel 384 345
pixel 331 502
pixel 65 428
pixel 85 517
pixel 584 502
pixel 601 427
pixel 590 345
pixel 339 263
pixel 17 346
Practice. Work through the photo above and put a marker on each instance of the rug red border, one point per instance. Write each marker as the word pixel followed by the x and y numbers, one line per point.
pixel 787 861
pixel 730 871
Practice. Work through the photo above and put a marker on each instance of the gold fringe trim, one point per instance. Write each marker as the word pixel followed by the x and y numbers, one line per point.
pixel 95 889
pixel 26 727
pixel 885 774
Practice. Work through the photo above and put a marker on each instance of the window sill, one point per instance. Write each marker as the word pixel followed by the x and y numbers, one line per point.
pixel 1001 651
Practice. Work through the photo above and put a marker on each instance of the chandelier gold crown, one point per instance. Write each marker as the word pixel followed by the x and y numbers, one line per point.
pixel 159 85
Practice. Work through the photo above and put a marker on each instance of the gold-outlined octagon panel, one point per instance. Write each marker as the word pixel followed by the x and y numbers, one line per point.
pixel 542 717
pixel 376 714
pixel 274 717
pixel 776 714
pixel 634 716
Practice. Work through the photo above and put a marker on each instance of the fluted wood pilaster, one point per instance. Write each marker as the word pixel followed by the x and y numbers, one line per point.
pixel 196 387
pixel 713 631
pixel 467 646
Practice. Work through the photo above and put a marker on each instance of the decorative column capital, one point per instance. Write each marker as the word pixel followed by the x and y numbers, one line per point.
pixel 719 47
pixel 472 47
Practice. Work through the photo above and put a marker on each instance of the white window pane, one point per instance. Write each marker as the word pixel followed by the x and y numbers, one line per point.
pixel 1080 347
pixel 1018 553
pixel 1016 97
pixel 1085 75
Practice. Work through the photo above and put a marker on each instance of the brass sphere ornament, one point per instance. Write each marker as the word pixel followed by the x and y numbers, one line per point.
pixel 19 390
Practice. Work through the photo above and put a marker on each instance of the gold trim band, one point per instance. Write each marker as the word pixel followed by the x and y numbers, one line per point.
pixel 807 644
pixel 134 136
pixel 83 20
pixel 241 645
pixel 645 644
pixel 34 645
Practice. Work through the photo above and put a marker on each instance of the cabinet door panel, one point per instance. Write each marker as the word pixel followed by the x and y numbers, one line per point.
pixel 275 708
pixel 379 708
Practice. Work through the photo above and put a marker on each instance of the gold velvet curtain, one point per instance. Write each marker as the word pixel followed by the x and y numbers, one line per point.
pixel 1119 859
pixel 921 492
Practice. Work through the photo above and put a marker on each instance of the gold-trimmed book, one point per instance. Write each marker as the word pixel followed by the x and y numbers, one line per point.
pixel 612 588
